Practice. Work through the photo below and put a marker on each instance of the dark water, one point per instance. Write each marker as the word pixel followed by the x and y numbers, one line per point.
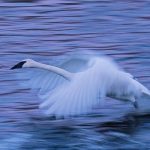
pixel 49 30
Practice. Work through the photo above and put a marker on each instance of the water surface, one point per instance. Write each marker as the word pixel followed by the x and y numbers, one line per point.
pixel 49 31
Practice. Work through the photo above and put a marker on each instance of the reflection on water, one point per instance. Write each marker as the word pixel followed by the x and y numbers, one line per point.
pixel 48 32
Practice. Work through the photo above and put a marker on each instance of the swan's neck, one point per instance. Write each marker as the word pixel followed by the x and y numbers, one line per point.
pixel 67 75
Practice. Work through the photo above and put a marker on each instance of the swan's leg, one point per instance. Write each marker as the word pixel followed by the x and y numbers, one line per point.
pixel 134 102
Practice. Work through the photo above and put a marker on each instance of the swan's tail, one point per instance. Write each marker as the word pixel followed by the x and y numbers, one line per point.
pixel 145 91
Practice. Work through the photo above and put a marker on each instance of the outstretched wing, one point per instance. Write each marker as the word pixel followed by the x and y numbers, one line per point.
pixel 76 97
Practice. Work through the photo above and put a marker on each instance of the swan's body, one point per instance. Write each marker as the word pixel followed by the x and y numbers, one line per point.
pixel 76 93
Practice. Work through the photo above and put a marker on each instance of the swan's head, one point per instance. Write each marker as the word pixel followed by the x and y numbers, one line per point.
pixel 24 64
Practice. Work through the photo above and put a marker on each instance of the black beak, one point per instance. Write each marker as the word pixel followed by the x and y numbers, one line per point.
pixel 19 65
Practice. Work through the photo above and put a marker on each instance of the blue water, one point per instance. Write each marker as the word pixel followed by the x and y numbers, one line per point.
pixel 48 31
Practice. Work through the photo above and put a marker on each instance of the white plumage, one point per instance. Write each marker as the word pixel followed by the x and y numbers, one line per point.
pixel 81 85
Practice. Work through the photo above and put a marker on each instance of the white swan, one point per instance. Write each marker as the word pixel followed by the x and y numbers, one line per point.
pixel 77 91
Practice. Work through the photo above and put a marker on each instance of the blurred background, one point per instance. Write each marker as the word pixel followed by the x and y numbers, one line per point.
pixel 52 30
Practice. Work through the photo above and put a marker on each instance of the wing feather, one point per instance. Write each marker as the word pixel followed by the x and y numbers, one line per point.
pixel 74 98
